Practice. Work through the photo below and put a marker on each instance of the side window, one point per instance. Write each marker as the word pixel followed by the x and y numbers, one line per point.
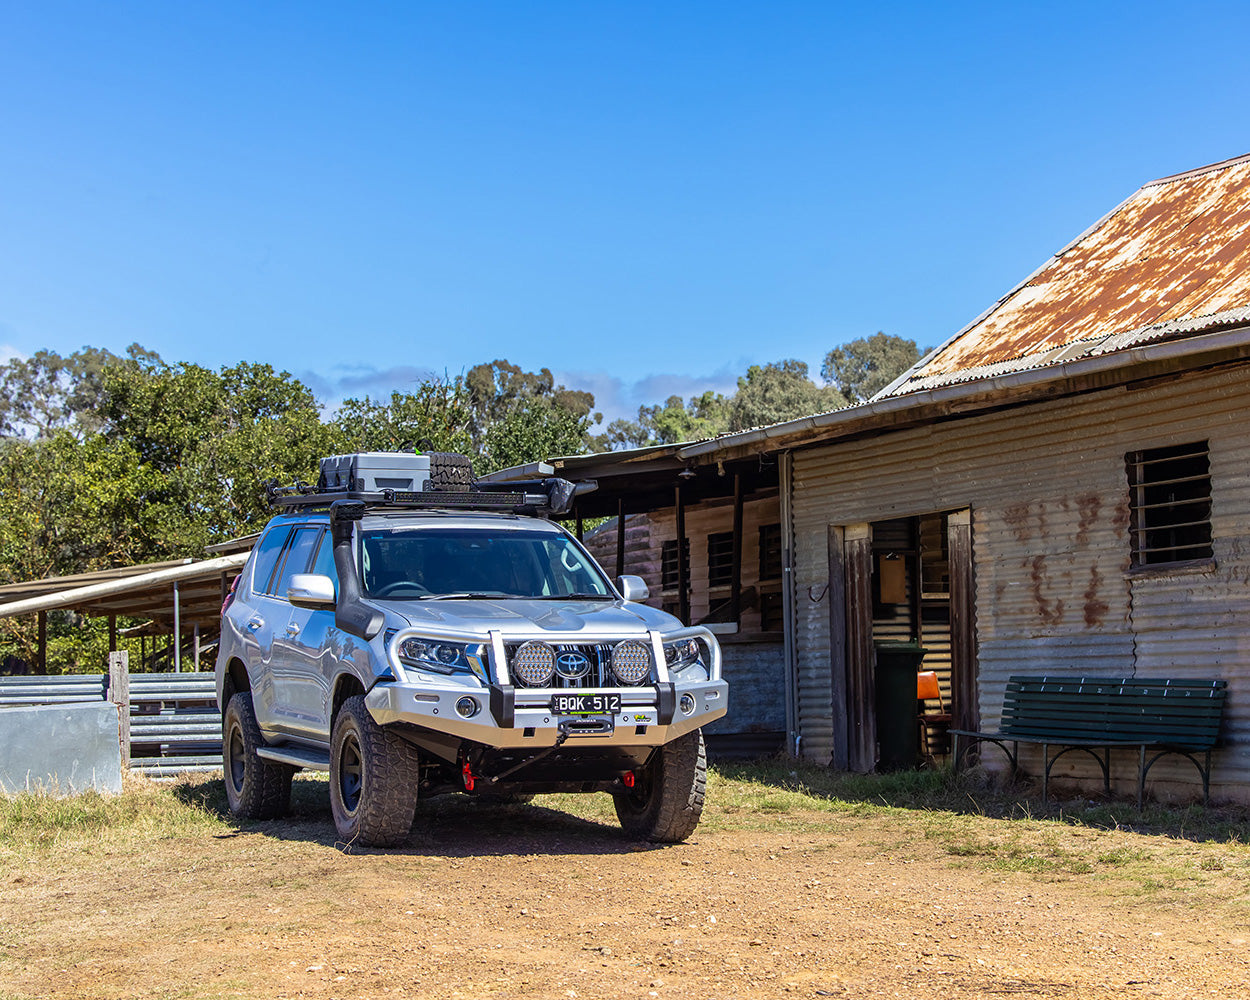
pixel 324 563
pixel 298 555
pixel 267 552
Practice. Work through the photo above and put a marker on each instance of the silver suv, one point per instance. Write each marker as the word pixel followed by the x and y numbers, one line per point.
pixel 432 638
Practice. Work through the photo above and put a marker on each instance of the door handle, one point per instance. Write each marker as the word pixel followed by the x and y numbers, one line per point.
pixel 292 629
pixel 254 623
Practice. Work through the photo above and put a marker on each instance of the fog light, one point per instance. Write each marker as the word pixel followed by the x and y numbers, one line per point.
pixel 466 708
pixel 687 704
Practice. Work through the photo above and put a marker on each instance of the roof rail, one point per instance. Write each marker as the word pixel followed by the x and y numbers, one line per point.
pixel 540 497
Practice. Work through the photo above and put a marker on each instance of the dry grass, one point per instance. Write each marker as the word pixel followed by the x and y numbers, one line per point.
pixel 159 892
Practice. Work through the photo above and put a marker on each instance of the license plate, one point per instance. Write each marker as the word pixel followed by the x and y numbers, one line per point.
pixel 585 704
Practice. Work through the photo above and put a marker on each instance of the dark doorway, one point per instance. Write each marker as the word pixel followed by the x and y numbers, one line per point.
pixel 907 580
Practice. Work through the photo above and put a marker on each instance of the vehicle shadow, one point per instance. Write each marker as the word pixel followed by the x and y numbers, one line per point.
pixel 450 826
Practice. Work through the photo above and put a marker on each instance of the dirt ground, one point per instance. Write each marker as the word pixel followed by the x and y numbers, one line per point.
pixel 532 901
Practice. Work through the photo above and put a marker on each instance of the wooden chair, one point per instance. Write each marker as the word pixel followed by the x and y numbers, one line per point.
pixel 939 722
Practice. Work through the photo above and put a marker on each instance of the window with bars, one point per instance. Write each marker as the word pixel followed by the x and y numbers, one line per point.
pixel 720 559
pixel 668 563
pixel 770 551
pixel 1170 503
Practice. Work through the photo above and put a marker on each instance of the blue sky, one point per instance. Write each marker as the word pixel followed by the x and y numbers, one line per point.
pixel 645 198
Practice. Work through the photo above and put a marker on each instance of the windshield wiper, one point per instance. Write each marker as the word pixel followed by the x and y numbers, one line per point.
pixel 573 597
pixel 491 595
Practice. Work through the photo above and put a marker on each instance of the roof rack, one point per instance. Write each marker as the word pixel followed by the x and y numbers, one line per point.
pixel 540 497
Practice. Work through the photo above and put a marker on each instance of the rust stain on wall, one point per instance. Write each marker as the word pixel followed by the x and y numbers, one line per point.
pixel 1089 505
pixel 1095 608
pixel 1048 612
pixel 1017 518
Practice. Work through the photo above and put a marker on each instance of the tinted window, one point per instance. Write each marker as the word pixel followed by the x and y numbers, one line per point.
pixel 407 563
pixel 298 555
pixel 266 558
pixel 324 563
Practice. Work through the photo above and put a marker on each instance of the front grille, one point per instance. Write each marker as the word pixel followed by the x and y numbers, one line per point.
pixel 599 654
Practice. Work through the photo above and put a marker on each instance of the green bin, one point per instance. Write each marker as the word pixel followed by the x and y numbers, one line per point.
pixel 897 728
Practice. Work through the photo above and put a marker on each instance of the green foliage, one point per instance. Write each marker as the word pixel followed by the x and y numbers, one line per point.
pixel 518 417
pixel 69 506
pixel 862 368
pixel 703 416
pixel 772 393
pixel 46 393
pixel 213 438
pixel 433 418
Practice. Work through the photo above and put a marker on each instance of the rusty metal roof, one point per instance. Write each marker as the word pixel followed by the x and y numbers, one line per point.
pixel 1173 258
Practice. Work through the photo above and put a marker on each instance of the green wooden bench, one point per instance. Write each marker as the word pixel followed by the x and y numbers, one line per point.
pixel 1096 715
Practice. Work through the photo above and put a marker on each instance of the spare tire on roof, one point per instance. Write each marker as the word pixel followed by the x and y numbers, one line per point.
pixel 449 471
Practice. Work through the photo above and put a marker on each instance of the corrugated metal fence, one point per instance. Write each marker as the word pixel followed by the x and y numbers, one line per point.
pixel 174 723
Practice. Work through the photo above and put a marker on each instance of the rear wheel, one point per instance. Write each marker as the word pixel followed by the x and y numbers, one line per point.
pixel 373 779
pixel 667 798
pixel 255 788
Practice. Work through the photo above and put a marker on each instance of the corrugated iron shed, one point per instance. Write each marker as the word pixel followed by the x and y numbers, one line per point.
pixel 1175 252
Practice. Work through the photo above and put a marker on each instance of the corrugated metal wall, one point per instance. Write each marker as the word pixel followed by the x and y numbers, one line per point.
pixel 1047 489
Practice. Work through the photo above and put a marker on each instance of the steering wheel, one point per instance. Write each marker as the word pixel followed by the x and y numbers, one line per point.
pixel 415 589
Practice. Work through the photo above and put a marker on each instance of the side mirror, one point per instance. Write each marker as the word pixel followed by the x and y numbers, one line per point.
pixel 311 590
pixel 633 588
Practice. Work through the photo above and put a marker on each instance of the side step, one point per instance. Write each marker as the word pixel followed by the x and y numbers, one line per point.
pixel 314 760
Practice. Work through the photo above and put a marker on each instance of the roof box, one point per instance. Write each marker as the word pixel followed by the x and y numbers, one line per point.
pixel 370 471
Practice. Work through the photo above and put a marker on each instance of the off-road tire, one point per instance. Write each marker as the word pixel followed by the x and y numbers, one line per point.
pixel 255 788
pixel 449 471
pixel 667 800
pixel 373 779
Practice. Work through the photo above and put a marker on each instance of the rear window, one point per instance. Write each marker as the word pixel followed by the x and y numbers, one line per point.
pixel 268 549
pixel 299 553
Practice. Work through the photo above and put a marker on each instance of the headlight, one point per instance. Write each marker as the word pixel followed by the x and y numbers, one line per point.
pixel 682 653
pixel 444 657
pixel 631 661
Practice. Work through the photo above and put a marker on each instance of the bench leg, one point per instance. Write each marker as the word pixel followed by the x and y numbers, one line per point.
pixel 1045 770
pixel 1141 778
pixel 1106 771
pixel 1206 781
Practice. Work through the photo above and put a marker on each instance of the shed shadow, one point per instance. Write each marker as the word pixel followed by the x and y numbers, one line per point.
pixel 976 793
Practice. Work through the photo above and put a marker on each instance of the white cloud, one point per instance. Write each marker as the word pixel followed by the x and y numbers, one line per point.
pixel 9 353
pixel 355 381
pixel 616 397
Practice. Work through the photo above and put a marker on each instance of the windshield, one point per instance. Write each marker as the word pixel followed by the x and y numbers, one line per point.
pixel 432 563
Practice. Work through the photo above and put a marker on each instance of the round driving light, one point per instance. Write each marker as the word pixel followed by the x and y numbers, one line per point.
pixel 466 708
pixel 687 704
pixel 631 661
pixel 534 663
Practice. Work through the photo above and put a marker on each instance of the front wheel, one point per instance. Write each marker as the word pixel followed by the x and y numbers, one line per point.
pixel 255 788
pixel 373 779
pixel 667 798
